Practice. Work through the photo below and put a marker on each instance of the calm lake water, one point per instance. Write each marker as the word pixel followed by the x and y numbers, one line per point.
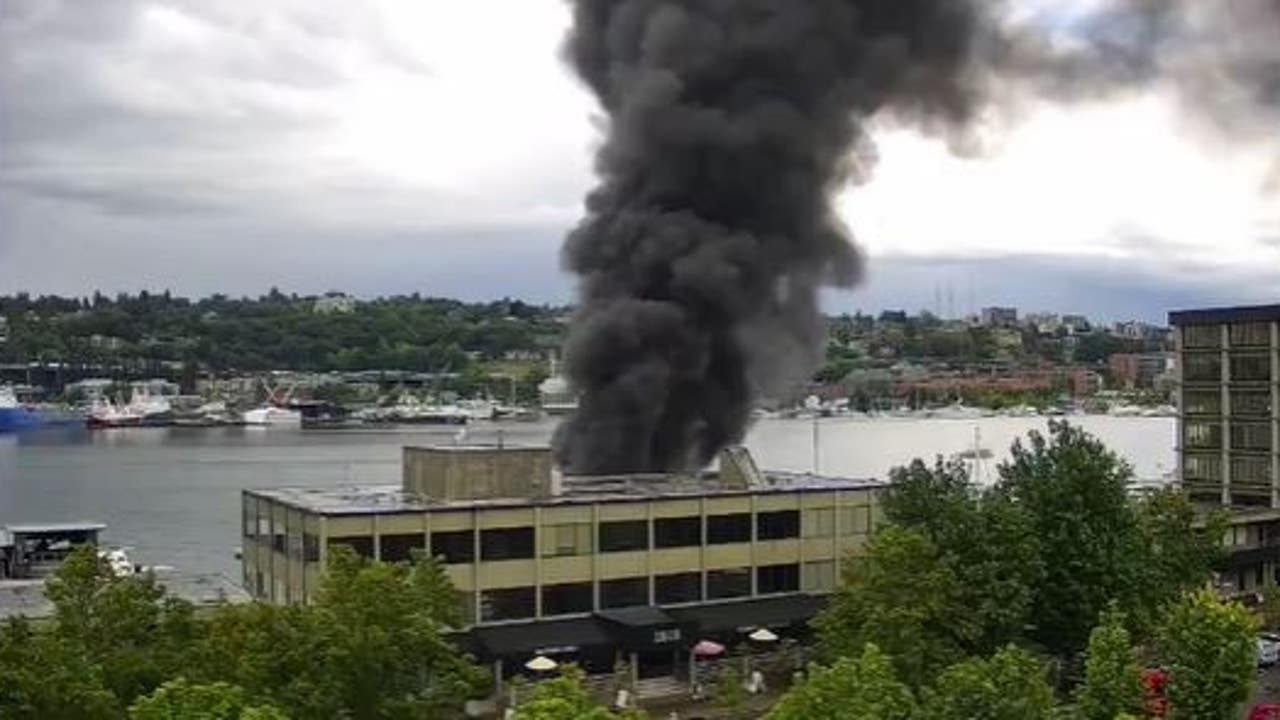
pixel 172 494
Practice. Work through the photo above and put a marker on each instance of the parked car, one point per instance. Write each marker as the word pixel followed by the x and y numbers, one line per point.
pixel 1268 650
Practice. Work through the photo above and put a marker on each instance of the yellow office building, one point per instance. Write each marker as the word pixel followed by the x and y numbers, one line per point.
pixel 590 568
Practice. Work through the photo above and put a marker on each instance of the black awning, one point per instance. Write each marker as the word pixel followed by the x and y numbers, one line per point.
pixel 644 627
pixel 547 637
pixel 747 615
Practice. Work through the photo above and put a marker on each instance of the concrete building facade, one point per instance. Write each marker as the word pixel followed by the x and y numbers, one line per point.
pixel 639 565
pixel 1229 428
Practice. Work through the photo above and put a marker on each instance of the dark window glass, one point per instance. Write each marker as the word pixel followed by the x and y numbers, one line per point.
pixel 399 548
pixel 678 588
pixel 456 546
pixel 506 544
pixel 310 547
pixel 1203 367
pixel 778 525
pixel 777 578
pixel 363 546
pixel 566 599
pixel 723 529
pixel 1256 403
pixel 509 604
pixel 624 535
pixel 677 532
pixel 277 535
pixel 1202 435
pixel 1250 436
pixel 1203 402
pixel 1246 368
pixel 624 592
pixel 728 583
pixel 249 520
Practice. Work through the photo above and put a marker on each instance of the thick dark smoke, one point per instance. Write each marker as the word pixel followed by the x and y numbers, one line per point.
pixel 730 125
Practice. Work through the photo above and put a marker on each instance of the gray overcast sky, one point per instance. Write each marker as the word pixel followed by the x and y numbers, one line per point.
pixel 441 147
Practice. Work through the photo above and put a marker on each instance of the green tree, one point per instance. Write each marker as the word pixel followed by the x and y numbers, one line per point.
pixel 43 678
pixel 1270 610
pixel 565 698
pixel 123 625
pixel 1090 539
pixel 899 596
pixel 987 541
pixel 182 700
pixel 1208 646
pixel 1012 685
pixel 731 696
pixel 862 687
pixel 1179 552
pixel 1112 677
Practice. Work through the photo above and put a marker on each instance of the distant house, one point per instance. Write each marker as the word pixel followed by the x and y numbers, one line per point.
pixel 999 316
pixel 4 330
pixel 1075 323
pixel 334 303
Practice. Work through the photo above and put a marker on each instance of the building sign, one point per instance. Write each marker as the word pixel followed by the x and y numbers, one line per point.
pixel 666 635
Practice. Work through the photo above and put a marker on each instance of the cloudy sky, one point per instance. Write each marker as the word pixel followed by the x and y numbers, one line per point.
pixel 440 146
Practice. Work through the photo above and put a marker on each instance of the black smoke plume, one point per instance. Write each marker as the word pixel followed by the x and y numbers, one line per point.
pixel 730 125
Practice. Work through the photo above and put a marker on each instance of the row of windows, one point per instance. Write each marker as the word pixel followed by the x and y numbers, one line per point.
pixel 1252 403
pixel 626 535
pixel 1239 334
pixel 1243 436
pixel 1255 469
pixel 1243 367
pixel 674 589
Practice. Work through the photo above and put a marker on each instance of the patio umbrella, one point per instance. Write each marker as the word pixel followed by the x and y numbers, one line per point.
pixel 541 663
pixel 763 635
pixel 706 648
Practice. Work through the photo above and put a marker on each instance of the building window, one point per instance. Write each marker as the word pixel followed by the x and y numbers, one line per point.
pixel 1250 368
pixel 361 545
pixel 1203 435
pixel 1251 471
pixel 677 532
pixel 819 522
pixel 725 529
pixel 1251 402
pixel 855 520
pixel 568 539
pixel 264 523
pixel 1202 467
pixel 778 525
pixel 399 548
pixel 467 603
pixel 455 546
pixel 818 576
pixel 1252 333
pixel 1250 436
pixel 249 517
pixel 624 592
pixel 506 544
pixel 277 535
pixel 1202 367
pixel 310 547
pixel 1202 402
pixel 677 588
pixel 508 604
pixel 624 535
pixel 1202 336
pixel 566 599
pixel 777 578
pixel 728 583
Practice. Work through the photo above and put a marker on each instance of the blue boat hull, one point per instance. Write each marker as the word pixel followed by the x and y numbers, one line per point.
pixel 18 418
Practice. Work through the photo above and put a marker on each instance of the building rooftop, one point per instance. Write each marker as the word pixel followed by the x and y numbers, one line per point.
pixel 390 499
pixel 1215 316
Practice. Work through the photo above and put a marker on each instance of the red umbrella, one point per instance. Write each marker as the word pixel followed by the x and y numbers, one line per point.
pixel 706 648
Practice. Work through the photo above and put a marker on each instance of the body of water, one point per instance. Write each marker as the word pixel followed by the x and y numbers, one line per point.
pixel 172 494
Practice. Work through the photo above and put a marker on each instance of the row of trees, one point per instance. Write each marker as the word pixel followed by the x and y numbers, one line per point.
pixel 275 331
pixel 371 646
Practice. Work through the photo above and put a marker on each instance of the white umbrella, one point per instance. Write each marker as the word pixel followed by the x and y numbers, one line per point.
pixel 541 663
pixel 763 635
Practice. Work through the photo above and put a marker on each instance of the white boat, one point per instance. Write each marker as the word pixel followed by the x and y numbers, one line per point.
pixel 106 414
pixel 557 398
pixel 270 415
pixel 957 411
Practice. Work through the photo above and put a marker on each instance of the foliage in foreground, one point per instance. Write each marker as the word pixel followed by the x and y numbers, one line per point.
pixel 962 571
pixel 370 646
pixel 565 698
pixel 182 700
pixel 1209 649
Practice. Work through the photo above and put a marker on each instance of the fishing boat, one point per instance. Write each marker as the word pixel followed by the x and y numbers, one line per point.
pixel 14 415
pixel 270 415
